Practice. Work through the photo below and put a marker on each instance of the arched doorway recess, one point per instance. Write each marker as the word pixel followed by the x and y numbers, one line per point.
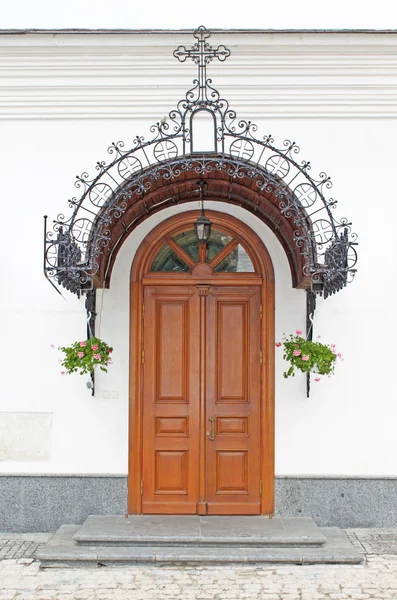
pixel 202 362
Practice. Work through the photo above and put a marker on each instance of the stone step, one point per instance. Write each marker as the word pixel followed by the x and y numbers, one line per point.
pixel 63 551
pixel 181 530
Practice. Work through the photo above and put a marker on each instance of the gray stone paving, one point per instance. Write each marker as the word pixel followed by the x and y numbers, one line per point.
pixel 193 530
pixel 374 541
pixel 371 541
pixel 63 550
pixel 21 545
pixel 22 579
pixel 18 549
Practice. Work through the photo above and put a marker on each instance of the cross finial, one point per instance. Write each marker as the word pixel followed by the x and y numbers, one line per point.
pixel 201 52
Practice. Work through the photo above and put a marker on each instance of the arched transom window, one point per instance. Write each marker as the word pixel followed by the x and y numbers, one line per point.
pixel 181 252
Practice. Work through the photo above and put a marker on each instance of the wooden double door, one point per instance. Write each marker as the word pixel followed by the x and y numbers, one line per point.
pixel 201 410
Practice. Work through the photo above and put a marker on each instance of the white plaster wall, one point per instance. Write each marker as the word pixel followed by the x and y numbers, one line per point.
pixel 347 427
pixel 156 14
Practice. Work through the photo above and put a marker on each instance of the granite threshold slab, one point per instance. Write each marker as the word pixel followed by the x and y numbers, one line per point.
pixel 63 551
pixel 193 530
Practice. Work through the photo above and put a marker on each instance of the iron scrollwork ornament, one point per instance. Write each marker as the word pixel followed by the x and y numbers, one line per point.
pixel 74 247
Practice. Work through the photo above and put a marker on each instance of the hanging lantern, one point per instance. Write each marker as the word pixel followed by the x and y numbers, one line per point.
pixel 202 225
pixel 203 228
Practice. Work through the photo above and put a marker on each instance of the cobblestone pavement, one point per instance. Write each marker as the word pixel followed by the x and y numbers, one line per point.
pixel 21 545
pixel 374 541
pixel 17 549
pixel 22 579
pixel 376 580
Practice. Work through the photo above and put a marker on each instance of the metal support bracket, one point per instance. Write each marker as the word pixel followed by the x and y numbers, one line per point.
pixel 90 306
pixel 310 309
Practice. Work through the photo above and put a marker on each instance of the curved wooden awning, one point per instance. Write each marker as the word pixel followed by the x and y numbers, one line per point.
pixel 219 187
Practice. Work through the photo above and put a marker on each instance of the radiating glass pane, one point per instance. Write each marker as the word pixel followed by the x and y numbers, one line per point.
pixel 188 241
pixel 167 261
pixel 237 261
pixel 216 242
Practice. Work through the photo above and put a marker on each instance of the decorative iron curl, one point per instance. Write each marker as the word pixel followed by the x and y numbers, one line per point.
pixel 72 251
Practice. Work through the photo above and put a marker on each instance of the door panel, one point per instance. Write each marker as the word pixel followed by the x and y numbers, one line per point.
pixel 171 472
pixel 231 471
pixel 231 426
pixel 172 351
pixel 170 400
pixel 232 350
pixel 229 358
pixel 171 426
pixel 233 400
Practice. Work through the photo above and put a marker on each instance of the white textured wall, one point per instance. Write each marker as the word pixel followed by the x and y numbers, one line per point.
pixel 61 106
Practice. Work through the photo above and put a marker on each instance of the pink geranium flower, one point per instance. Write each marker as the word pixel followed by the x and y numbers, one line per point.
pixel 298 332
pixel 305 357
pixel 80 354
pixel 297 352
pixel 82 344
pixel 63 373
pixel 52 346
pixel 97 356
pixel 278 344
pixel 94 347
pixel 317 379
pixel 339 354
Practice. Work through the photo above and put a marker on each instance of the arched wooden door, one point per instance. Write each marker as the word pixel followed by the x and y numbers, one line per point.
pixel 201 431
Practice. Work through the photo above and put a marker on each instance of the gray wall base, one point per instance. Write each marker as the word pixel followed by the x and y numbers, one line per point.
pixel 44 503
pixel 339 502
pixel 30 503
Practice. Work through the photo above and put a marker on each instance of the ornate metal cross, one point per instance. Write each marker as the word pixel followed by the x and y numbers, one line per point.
pixel 202 54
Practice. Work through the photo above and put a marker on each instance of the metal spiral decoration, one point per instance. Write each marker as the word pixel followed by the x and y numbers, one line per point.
pixel 72 250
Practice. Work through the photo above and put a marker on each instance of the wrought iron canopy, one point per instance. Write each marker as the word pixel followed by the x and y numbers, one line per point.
pixel 201 139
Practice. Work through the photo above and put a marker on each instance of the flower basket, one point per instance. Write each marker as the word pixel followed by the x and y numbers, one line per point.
pixel 308 356
pixel 83 357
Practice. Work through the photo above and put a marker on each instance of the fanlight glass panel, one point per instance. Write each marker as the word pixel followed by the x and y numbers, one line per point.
pixel 168 261
pixel 188 241
pixel 237 261
pixel 216 242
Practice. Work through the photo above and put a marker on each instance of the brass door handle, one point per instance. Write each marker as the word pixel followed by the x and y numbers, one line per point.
pixel 211 434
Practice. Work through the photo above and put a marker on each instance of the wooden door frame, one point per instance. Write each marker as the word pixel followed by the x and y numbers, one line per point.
pixel 140 277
